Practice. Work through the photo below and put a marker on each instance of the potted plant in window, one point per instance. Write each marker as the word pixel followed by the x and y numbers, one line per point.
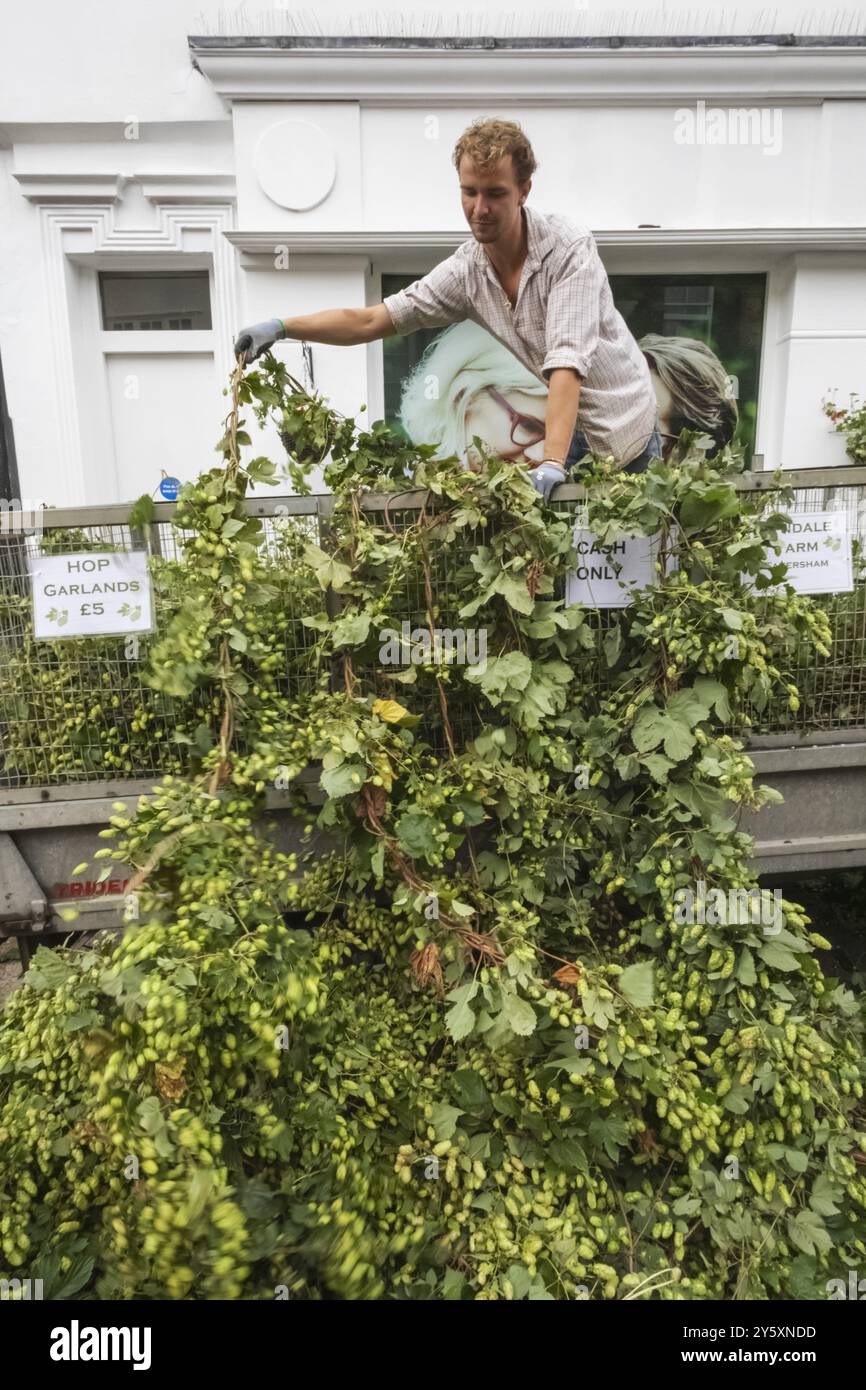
pixel 849 420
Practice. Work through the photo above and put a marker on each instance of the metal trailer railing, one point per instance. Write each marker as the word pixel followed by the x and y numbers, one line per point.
pixel 84 729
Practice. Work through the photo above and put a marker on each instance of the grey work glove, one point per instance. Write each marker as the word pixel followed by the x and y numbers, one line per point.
pixel 546 477
pixel 253 341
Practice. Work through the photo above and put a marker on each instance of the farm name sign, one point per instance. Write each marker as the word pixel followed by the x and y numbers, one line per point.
pixel 816 547
pixel 91 594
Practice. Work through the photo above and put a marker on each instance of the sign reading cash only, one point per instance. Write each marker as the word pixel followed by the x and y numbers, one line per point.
pixel 95 593
pixel 607 575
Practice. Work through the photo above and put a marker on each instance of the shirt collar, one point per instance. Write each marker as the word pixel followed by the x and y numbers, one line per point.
pixel 540 240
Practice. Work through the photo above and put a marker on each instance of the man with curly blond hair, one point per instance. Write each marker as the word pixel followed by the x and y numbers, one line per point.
pixel 536 282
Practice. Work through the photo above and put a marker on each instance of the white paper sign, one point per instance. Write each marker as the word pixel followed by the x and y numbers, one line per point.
pixel 91 594
pixel 816 547
pixel 596 584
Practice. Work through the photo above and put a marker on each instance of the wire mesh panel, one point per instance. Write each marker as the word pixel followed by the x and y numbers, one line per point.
pixel 76 708
pixel 81 709
pixel 286 531
pixel 833 688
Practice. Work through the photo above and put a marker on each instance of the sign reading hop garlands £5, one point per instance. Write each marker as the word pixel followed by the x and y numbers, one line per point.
pixel 816 547
pixel 91 594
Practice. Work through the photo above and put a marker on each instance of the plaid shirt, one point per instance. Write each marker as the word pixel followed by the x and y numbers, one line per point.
pixel 564 317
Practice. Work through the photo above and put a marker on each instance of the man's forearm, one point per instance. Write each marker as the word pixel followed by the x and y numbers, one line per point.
pixel 561 417
pixel 339 327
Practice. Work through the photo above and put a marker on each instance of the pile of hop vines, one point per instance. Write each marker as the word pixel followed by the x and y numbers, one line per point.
pixel 462 1042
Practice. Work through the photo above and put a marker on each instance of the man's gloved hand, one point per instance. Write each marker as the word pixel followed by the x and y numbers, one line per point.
pixel 546 476
pixel 253 341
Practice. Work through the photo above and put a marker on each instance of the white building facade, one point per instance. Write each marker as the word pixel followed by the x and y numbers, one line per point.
pixel 230 180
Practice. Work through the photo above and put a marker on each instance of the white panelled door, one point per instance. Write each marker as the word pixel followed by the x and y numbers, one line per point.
pixel 165 417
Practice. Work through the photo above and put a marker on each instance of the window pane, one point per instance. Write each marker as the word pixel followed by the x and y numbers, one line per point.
pixel 133 301
pixel 401 355
pixel 726 312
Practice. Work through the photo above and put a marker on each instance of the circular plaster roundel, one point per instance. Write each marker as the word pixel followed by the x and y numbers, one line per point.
pixel 295 164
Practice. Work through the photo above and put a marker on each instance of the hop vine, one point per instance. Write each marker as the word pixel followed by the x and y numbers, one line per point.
pixel 461 1042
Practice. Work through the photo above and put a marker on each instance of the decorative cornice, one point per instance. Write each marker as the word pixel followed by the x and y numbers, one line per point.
pixel 379 243
pixel 100 190
pixel 187 188
pixel 542 76
pixel 93 189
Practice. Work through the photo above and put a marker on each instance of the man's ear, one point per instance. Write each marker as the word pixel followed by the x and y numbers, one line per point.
pixel 524 191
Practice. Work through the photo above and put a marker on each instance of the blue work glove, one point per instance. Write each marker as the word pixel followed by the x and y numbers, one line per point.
pixel 546 477
pixel 253 341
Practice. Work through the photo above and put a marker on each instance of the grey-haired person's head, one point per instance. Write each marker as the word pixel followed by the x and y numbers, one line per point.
pixel 700 389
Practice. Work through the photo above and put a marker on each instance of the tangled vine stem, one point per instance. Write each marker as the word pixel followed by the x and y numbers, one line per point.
pixel 479 942
pixel 223 767
pixel 428 599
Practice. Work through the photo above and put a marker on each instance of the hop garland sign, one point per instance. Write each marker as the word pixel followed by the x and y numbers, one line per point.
pixel 90 594
pixel 474 1041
